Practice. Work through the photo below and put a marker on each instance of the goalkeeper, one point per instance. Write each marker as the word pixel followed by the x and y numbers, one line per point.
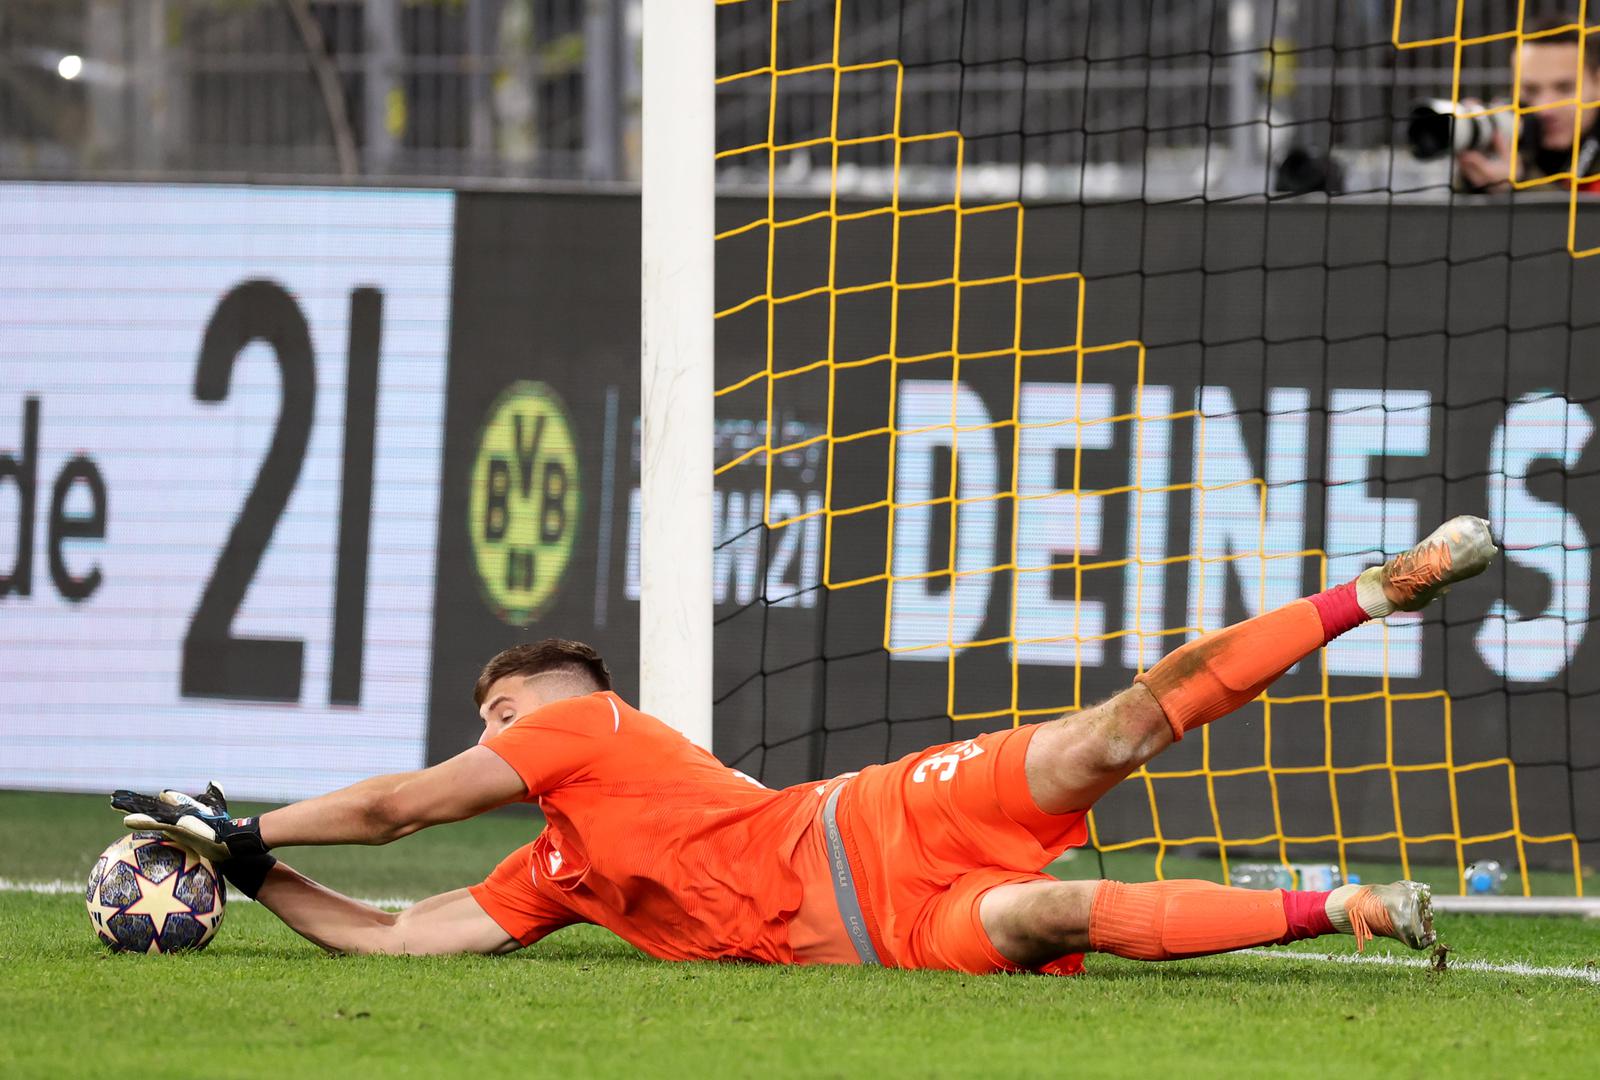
pixel 932 861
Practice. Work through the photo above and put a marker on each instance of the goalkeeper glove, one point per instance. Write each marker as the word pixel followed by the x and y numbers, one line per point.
pixel 199 822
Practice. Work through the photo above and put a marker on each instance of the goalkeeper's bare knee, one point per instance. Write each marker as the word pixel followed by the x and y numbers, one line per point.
pixel 1074 760
pixel 1037 922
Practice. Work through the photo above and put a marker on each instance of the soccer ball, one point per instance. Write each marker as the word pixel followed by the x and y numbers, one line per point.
pixel 148 894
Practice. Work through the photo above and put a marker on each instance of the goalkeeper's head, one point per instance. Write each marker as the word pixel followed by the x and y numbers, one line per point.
pixel 525 677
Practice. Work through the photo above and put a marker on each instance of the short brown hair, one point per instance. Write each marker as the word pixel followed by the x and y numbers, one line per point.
pixel 538 657
pixel 1570 36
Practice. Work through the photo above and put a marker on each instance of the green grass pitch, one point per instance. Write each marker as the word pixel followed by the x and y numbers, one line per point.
pixel 261 1002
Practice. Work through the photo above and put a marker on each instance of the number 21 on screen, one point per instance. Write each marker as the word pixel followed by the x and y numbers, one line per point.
pixel 216 663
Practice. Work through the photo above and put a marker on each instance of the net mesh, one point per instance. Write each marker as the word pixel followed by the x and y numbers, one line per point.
pixel 955 494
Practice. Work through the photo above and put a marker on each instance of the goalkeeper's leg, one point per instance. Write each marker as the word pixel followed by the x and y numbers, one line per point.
pixel 1074 760
pixel 1036 923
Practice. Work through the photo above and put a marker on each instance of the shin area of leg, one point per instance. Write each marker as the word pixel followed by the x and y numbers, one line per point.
pixel 1215 674
pixel 1170 920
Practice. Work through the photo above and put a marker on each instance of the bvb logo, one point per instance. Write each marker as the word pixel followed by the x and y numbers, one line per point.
pixel 523 513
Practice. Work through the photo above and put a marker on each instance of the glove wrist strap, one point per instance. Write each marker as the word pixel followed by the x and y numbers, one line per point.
pixel 248 873
pixel 244 839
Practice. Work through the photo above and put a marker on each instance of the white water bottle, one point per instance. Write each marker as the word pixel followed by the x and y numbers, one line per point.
pixel 1261 876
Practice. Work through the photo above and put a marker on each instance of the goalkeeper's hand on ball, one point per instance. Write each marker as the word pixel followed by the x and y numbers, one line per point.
pixel 199 822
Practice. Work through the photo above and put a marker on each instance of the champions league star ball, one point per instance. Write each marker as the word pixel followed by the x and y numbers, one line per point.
pixel 147 894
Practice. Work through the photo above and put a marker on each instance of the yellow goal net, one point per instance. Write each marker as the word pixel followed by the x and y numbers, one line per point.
pixel 1018 482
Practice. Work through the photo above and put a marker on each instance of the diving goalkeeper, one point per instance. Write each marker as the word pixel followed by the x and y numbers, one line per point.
pixel 932 861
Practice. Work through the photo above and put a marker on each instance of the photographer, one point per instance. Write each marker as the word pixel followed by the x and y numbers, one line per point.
pixel 1556 73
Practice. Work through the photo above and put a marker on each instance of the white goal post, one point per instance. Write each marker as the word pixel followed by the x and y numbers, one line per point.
pixel 1518 905
pixel 677 382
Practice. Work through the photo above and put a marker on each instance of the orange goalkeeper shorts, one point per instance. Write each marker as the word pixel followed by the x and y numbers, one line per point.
pixel 930 834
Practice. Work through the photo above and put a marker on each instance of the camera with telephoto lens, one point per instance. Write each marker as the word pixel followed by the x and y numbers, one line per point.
pixel 1439 127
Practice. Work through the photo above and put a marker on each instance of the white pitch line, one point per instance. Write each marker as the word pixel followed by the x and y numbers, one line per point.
pixel 1482 967
pixel 63 888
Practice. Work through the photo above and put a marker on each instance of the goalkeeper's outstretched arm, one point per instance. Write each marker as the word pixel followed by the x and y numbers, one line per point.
pixel 374 811
pixel 385 808
pixel 451 922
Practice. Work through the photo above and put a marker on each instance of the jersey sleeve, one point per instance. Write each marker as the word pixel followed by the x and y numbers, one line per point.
pixel 558 743
pixel 509 897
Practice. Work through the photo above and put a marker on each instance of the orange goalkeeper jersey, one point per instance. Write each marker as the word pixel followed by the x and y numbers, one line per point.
pixel 654 839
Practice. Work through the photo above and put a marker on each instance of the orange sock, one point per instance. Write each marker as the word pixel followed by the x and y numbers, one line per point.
pixel 1169 920
pixel 1214 674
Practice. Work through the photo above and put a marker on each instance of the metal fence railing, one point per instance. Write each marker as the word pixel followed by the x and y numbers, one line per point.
pixel 1094 98
pixel 334 89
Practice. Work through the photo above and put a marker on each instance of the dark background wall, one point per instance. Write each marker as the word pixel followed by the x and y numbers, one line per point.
pixel 538 296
